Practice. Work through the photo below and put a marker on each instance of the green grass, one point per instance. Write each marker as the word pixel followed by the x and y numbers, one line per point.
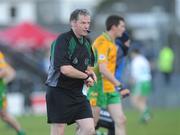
pixel 164 122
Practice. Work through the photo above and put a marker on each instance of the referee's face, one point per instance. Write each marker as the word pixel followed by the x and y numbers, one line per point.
pixel 81 26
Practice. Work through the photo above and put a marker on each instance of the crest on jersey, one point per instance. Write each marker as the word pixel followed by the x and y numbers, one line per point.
pixel 102 57
pixel 75 61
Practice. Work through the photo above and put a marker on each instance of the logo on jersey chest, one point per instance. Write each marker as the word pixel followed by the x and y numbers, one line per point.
pixel 76 61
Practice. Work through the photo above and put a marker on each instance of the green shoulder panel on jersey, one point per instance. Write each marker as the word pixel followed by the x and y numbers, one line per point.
pixel 53 48
pixel 88 46
pixel 95 56
pixel 71 47
pixel 96 67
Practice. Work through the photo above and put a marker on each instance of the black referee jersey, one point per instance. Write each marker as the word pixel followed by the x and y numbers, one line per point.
pixel 67 49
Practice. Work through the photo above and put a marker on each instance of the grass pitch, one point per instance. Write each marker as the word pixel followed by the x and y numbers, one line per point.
pixel 164 122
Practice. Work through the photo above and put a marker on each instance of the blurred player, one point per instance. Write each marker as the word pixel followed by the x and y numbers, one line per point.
pixel 141 83
pixel 7 74
pixel 123 44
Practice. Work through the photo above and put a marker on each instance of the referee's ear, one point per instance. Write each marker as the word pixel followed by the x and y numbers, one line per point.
pixel 73 24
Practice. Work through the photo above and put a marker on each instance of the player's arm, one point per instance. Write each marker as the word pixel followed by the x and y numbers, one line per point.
pixel 10 75
pixel 2 68
pixel 2 72
pixel 6 71
pixel 107 74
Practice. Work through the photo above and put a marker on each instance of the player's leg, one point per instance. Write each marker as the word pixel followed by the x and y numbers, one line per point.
pixel 140 103
pixel 96 99
pixel 57 129
pixel 119 118
pixel 136 102
pixel 86 126
pixel 84 119
pixel 10 120
pixel 139 99
pixel 136 98
pixel 145 113
pixel 146 89
pixel 93 99
pixel 96 114
pixel 116 112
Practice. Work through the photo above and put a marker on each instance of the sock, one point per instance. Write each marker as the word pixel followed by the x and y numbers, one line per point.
pixel 21 132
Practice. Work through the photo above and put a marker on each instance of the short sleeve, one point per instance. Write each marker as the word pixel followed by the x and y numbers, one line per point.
pixel 2 61
pixel 1 55
pixel 59 54
pixel 102 51
pixel 92 58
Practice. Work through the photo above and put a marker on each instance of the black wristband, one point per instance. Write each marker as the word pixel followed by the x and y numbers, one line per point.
pixel 86 77
pixel 119 87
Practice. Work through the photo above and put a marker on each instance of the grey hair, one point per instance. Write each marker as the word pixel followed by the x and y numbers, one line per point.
pixel 75 14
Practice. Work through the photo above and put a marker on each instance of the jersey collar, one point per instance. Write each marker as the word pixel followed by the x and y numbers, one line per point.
pixel 107 36
pixel 79 40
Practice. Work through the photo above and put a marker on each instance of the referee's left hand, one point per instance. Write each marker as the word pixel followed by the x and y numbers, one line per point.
pixel 92 74
pixel 89 82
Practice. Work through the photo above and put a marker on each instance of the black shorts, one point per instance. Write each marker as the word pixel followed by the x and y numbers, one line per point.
pixel 65 107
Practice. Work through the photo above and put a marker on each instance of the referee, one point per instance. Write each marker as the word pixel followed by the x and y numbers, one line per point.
pixel 70 61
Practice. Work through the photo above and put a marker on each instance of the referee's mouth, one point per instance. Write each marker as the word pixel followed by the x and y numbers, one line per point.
pixel 85 32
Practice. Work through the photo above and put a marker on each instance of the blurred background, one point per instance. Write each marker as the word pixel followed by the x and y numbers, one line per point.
pixel 27 29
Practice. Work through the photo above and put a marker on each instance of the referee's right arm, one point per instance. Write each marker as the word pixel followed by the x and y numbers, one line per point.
pixel 61 59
